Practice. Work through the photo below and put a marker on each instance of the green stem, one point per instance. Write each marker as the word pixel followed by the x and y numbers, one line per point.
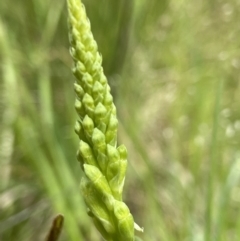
pixel 212 165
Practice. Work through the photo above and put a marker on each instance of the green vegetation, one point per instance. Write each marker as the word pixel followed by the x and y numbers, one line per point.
pixel 173 67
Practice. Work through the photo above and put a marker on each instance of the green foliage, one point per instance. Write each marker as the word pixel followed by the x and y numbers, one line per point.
pixel 166 62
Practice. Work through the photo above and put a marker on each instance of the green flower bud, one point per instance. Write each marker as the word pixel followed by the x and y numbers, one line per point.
pixel 100 112
pixel 102 230
pixel 92 46
pixel 78 74
pixel 72 52
pixel 97 207
pixel 88 81
pixel 122 150
pixel 108 99
pixel 79 131
pixel 96 68
pixel 80 67
pixel 98 90
pixel 85 152
pixel 98 140
pixel 88 127
pixel 100 184
pixel 99 147
pixel 111 133
pixel 78 105
pixel 88 60
pixel 79 47
pixel 116 171
pixel 99 181
pixel 77 128
pixel 79 91
pixel 117 182
pixel 125 221
pixel 79 108
pixel 87 38
pixel 80 159
pixel 103 79
pixel 101 117
pixel 88 103
pixel 113 154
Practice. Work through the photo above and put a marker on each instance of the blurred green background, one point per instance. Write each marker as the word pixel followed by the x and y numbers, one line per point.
pixel 174 70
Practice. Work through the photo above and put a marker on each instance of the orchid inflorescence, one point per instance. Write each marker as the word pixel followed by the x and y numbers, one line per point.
pixel 103 162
